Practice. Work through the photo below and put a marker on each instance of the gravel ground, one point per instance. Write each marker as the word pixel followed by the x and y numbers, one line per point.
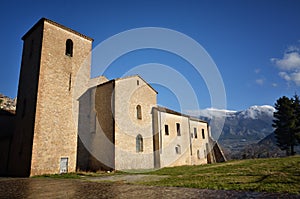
pixel 71 188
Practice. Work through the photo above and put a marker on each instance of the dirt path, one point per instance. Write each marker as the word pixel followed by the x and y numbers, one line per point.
pixel 70 188
pixel 127 178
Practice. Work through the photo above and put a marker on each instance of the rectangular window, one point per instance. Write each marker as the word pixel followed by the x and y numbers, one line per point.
pixel 166 129
pixel 195 133
pixel 203 135
pixel 178 129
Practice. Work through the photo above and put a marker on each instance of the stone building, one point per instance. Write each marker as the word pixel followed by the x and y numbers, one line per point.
pixel 66 121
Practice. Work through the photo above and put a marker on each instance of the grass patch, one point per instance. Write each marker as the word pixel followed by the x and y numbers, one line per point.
pixel 270 175
pixel 77 175
pixel 262 175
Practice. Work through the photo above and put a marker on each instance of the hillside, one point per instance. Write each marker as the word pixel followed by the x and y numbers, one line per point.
pixel 241 128
pixel 260 175
pixel 254 176
pixel 6 103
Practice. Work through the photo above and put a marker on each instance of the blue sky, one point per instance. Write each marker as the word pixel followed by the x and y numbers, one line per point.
pixel 254 44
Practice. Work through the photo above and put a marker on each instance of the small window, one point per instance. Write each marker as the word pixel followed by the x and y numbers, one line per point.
pixel 139 112
pixel 166 129
pixel 195 133
pixel 198 154
pixel 69 48
pixel 137 82
pixel 139 143
pixel 203 134
pixel 178 129
pixel 177 149
pixel 70 81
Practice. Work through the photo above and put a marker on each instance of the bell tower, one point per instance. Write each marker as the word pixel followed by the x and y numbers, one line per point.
pixel 55 60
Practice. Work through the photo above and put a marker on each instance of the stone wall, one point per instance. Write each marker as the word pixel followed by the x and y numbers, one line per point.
pixel 7 126
pixel 169 156
pixel 21 147
pixel 46 123
pixel 131 92
pixel 55 130
pixel 185 148
pixel 198 141
pixel 102 145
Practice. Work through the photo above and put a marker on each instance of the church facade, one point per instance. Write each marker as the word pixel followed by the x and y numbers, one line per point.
pixel 67 122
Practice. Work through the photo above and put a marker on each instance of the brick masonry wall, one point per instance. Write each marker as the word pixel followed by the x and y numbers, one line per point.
pixel 21 147
pixel 102 145
pixel 55 130
pixel 130 92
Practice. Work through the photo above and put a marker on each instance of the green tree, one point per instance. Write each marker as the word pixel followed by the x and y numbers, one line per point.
pixel 296 102
pixel 286 123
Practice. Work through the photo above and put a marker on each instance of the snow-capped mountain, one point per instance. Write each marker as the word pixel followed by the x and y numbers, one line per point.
pixel 240 128
pixel 257 112
pixel 253 112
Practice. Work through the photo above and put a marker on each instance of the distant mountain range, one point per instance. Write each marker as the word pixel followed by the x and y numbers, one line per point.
pixel 241 129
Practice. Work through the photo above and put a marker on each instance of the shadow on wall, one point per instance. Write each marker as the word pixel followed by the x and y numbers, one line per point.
pixel 95 145
pixel 7 127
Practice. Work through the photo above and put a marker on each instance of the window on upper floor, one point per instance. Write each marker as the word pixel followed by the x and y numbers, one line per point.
pixel 178 129
pixel 166 129
pixel 139 143
pixel 139 112
pixel 195 133
pixel 69 48
pixel 203 134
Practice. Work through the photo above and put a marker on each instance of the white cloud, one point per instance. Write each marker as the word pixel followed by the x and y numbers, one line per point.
pixel 289 65
pixel 285 76
pixel 260 81
pixel 292 49
pixel 257 70
pixel 294 77
pixel 274 84
pixel 290 61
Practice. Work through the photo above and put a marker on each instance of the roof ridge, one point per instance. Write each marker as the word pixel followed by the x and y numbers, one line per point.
pixel 42 20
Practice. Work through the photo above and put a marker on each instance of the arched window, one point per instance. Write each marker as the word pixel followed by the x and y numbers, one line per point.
pixel 139 112
pixel 69 48
pixel 178 149
pixel 139 143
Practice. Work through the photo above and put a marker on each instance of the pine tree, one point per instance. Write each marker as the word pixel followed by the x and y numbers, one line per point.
pixel 285 123
pixel 296 102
